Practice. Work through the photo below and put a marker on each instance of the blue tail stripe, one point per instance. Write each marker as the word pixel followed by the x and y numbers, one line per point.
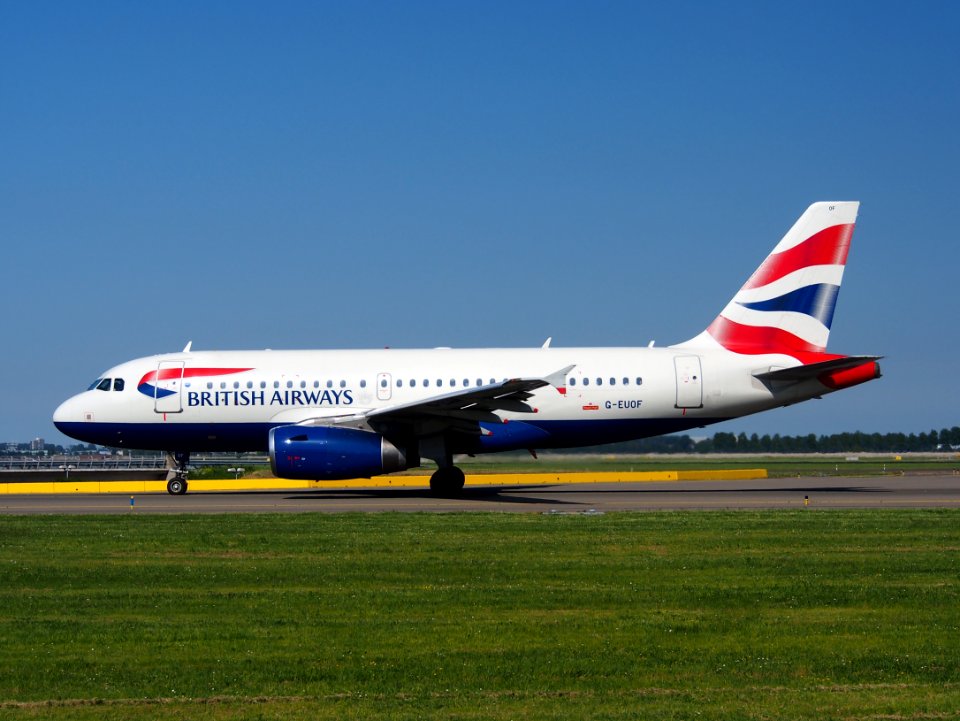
pixel 817 301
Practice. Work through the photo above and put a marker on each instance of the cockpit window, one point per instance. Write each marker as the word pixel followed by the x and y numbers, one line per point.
pixel 104 385
pixel 94 384
pixel 118 384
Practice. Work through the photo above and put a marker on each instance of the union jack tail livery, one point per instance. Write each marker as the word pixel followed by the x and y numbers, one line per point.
pixel 786 306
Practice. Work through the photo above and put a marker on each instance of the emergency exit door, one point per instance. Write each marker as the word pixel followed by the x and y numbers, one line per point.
pixel 167 387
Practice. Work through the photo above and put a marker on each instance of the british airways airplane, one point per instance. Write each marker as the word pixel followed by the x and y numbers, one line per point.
pixel 328 415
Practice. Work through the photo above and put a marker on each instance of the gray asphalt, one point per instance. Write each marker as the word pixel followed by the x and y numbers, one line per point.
pixel 913 491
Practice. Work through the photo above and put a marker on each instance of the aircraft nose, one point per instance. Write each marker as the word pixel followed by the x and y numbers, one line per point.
pixel 67 413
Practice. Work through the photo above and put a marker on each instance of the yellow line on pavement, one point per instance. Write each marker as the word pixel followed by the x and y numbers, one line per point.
pixel 476 479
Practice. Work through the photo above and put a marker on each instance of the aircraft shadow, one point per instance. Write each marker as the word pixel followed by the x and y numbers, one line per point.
pixel 553 494
pixel 480 495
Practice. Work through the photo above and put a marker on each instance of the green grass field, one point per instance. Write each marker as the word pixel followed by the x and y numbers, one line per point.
pixel 721 615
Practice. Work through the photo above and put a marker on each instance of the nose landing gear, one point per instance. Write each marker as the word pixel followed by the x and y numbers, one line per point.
pixel 177 472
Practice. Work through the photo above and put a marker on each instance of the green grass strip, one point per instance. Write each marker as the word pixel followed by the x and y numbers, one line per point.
pixel 721 615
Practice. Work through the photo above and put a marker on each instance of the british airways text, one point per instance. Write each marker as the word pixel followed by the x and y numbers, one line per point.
pixel 279 398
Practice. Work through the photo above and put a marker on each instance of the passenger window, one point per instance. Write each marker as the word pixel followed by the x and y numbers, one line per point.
pixel 573 381
pixel 399 383
pixel 466 382
pixel 639 381
pixel 263 384
pixel 363 383
pixel 599 381
pixel 439 382
pixel 479 382
pixel 289 384
pixel 426 382
pixel 249 384
pixel 276 384
pixel 453 383
pixel 626 381
pixel 329 384
pixel 613 381
pixel 343 384
pixel 209 385
pixel 383 382
pixel 586 381
pixel 118 384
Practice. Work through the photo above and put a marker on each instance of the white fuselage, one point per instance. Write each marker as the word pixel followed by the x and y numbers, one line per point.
pixel 228 400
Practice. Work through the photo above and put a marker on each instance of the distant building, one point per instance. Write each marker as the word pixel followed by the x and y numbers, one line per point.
pixel 36 445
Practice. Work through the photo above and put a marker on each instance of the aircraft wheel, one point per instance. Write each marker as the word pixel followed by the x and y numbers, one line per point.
pixel 176 486
pixel 447 481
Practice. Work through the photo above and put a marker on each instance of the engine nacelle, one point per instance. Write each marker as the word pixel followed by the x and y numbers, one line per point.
pixel 324 453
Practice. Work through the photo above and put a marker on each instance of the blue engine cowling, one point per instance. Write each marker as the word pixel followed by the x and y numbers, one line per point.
pixel 315 453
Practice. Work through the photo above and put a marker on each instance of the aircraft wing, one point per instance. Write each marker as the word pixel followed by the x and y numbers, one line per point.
pixel 461 410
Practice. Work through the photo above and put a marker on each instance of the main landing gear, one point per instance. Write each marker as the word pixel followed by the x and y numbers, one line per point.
pixel 177 472
pixel 447 481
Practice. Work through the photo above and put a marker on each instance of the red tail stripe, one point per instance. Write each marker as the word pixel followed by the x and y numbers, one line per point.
pixel 828 247
pixel 757 340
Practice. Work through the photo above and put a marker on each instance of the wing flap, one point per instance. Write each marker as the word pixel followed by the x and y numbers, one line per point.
pixel 508 395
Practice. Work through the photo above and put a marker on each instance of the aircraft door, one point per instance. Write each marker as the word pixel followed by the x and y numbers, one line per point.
pixel 384 387
pixel 167 387
pixel 689 381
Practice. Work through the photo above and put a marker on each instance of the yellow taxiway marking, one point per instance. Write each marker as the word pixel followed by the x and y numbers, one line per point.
pixel 474 479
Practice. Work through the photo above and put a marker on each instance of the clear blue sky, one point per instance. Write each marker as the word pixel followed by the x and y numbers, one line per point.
pixel 330 175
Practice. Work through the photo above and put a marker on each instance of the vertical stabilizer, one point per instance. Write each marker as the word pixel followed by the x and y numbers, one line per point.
pixel 787 305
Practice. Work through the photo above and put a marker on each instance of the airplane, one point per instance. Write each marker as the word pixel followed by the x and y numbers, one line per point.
pixel 338 414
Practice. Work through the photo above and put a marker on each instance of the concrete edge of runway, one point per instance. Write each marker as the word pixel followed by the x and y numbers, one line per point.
pixel 420 481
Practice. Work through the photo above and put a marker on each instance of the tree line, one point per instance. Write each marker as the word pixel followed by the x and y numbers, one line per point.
pixel 947 439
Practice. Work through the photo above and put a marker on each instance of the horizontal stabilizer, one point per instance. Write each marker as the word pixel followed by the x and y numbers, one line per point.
pixel 816 370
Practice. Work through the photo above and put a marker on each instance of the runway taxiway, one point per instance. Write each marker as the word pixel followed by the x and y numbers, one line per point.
pixel 911 491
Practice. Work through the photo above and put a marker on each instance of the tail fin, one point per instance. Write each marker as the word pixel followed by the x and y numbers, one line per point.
pixel 787 304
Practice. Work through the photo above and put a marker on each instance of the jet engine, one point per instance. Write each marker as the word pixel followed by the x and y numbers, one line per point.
pixel 325 453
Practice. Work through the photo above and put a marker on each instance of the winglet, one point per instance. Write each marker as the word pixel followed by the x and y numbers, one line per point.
pixel 558 379
pixel 186 348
